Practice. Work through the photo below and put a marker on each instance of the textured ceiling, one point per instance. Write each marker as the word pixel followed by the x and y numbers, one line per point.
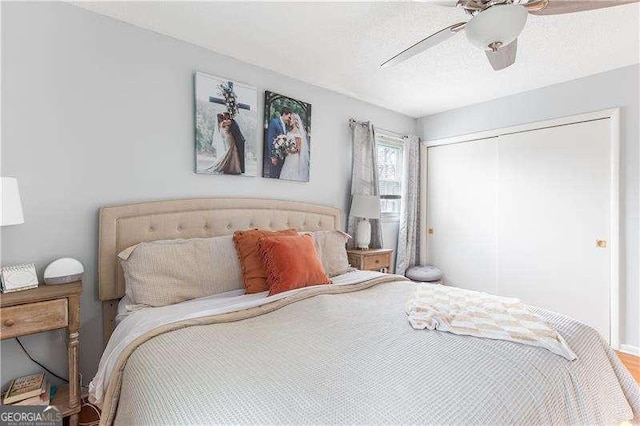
pixel 340 46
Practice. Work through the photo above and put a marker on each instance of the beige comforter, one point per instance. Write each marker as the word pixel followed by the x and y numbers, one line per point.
pixel 352 358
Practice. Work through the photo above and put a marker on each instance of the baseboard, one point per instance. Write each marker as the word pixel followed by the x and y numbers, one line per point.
pixel 631 350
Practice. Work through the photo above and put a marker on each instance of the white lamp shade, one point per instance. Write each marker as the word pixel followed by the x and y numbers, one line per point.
pixel 11 207
pixel 497 24
pixel 365 206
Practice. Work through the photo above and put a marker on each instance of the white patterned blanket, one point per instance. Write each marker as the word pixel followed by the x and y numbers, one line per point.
pixel 473 313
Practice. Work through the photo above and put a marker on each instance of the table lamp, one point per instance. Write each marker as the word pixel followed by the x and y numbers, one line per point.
pixel 10 207
pixel 365 207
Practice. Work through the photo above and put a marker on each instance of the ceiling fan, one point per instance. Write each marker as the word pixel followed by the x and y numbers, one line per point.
pixel 495 25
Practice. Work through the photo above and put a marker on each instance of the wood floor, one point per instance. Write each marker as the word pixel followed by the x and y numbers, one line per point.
pixel 632 363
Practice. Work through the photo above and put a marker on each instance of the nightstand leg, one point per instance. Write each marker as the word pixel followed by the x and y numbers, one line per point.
pixel 73 419
pixel 72 348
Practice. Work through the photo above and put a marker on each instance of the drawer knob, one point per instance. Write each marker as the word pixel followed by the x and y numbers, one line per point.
pixel 377 260
pixel 9 322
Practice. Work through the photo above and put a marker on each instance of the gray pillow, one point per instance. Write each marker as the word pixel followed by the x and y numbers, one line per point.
pixel 332 251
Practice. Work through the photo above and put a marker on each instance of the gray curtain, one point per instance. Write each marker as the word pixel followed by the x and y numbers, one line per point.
pixel 408 253
pixel 364 174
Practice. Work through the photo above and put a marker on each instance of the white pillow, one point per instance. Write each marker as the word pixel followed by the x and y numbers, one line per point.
pixel 164 272
pixel 332 251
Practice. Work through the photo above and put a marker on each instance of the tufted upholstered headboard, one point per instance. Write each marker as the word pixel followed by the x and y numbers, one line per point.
pixel 125 225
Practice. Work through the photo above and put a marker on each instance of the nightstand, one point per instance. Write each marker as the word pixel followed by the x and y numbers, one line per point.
pixel 48 307
pixel 370 260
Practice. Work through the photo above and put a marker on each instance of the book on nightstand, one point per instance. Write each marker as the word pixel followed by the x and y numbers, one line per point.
pixel 43 399
pixel 24 388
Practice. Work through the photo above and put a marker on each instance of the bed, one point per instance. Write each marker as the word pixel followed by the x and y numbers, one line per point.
pixel 335 354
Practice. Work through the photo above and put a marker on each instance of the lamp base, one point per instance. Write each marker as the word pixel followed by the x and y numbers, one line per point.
pixel 363 234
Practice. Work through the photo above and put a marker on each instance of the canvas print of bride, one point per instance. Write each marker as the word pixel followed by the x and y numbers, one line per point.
pixel 226 126
pixel 287 138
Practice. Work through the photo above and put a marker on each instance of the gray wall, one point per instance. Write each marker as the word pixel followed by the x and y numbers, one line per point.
pixel 97 112
pixel 618 88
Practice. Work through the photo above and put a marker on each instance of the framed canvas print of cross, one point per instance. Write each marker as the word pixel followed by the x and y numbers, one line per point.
pixel 225 126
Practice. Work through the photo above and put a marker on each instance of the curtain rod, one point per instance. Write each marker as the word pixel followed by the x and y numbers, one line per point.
pixel 390 132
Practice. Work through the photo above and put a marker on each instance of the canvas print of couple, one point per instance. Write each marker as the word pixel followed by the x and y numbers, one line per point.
pixel 287 141
pixel 226 126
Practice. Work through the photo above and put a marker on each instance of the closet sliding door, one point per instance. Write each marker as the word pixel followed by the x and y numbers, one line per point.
pixel 521 215
pixel 461 211
pixel 553 207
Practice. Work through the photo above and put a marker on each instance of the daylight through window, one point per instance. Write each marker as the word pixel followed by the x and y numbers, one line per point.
pixel 390 172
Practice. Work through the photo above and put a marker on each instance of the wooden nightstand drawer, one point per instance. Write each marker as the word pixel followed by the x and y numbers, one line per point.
pixel 33 318
pixel 370 260
pixel 376 262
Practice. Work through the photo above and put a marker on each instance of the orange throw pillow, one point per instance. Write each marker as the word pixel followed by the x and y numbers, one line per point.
pixel 290 263
pixel 246 242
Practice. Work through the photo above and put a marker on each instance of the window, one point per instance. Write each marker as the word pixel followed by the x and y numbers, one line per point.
pixel 390 174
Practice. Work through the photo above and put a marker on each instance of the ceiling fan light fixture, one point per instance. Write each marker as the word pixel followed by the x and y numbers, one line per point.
pixel 497 24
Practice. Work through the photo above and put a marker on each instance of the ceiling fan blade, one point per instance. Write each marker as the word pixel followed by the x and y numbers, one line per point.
pixel 536 6
pixel 503 57
pixel 425 44
pixel 558 7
